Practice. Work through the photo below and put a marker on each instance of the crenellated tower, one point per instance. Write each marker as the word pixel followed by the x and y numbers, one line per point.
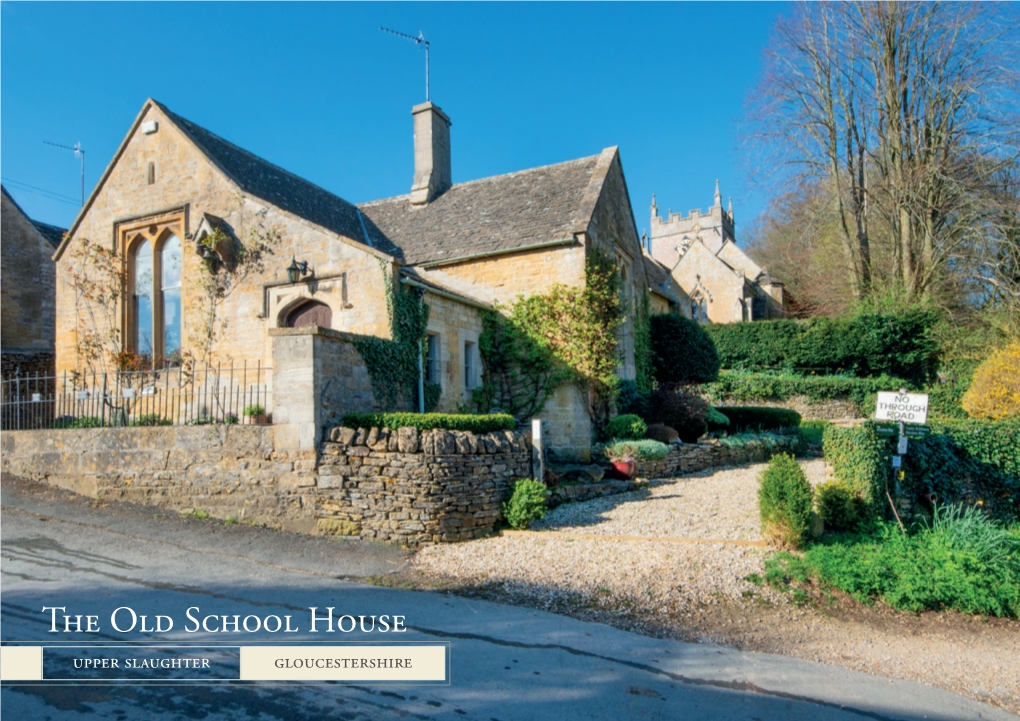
pixel 670 238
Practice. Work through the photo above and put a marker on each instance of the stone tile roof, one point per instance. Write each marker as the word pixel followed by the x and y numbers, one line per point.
pixel 51 233
pixel 659 277
pixel 501 213
pixel 273 184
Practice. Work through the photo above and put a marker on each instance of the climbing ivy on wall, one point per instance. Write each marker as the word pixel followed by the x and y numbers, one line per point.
pixel 393 365
pixel 568 333
pixel 643 365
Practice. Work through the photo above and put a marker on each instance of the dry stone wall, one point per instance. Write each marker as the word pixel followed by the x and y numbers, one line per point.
pixel 417 488
pixel 834 409
pixel 686 458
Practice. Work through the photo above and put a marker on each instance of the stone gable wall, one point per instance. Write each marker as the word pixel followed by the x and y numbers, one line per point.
pixel 27 293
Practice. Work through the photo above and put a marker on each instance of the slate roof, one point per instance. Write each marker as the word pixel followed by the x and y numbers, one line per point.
pixel 504 212
pixel 51 233
pixel 658 275
pixel 272 183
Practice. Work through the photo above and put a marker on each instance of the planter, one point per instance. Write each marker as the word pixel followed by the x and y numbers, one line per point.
pixel 624 470
pixel 253 420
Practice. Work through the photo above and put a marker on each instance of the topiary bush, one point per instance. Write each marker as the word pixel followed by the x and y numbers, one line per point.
pixel 682 352
pixel 431 421
pixel 674 406
pixel 661 433
pixel 527 503
pixel 626 427
pixel 756 418
pixel 785 502
pixel 839 507
pixel 994 391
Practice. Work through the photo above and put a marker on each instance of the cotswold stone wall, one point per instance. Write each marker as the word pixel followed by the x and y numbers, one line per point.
pixel 685 458
pixel 835 409
pixel 405 486
pixel 417 488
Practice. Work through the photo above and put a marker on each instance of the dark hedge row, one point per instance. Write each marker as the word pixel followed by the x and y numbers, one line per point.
pixel 865 345
pixel 744 386
pixel 980 454
pixel 431 421
pixel 754 418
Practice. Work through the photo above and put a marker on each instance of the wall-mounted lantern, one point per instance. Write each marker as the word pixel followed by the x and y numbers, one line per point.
pixel 296 270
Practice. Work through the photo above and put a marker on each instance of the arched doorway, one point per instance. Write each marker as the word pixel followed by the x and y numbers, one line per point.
pixel 309 313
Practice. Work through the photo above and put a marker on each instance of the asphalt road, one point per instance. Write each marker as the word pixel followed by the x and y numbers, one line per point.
pixel 506 663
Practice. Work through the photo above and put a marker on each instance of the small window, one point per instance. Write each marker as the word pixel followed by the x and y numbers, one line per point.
pixel 469 365
pixel 432 371
pixel 151 173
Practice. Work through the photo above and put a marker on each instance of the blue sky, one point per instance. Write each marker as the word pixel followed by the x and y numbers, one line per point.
pixel 317 89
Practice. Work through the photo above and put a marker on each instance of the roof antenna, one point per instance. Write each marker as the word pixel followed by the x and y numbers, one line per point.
pixel 419 41
pixel 79 153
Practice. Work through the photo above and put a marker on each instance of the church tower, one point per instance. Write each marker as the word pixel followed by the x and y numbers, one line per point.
pixel 670 238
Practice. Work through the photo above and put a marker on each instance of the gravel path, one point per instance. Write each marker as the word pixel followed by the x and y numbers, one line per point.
pixel 696 591
pixel 718 503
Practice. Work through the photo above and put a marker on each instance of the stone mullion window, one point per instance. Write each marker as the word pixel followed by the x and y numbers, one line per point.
pixel 152 316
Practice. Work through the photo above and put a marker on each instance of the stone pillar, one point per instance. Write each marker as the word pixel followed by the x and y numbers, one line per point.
pixel 296 410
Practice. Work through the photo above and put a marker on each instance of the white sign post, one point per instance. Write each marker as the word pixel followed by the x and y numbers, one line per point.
pixel 902 407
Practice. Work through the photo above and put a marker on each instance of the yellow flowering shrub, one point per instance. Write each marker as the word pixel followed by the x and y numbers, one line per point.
pixel 994 391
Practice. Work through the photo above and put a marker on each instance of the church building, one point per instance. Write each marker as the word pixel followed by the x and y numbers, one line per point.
pixel 722 284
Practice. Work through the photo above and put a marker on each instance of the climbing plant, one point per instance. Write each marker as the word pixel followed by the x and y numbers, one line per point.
pixel 643 359
pixel 230 262
pixel 96 279
pixel 393 365
pixel 567 333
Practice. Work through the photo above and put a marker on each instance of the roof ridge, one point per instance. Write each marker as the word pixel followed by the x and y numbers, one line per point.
pixel 487 178
pixel 181 119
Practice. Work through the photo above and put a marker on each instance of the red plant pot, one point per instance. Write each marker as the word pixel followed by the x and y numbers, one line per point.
pixel 624 469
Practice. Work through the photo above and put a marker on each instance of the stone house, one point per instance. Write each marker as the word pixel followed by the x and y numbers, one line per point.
pixel 27 283
pixel 722 284
pixel 465 246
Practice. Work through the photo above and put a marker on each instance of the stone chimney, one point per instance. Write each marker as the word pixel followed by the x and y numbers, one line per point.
pixel 432 175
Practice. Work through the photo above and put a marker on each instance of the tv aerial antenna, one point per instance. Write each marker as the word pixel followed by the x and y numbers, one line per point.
pixel 79 153
pixel 419 41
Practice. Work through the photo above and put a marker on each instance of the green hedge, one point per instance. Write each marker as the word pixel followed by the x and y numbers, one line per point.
pixel 746 386
pixel 430 421
pixel 987 453
pixel 755 418
pixel 682 352
pixel 866 345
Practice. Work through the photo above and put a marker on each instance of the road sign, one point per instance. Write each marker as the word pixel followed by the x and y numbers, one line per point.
pixel 902 447
pixel 887 430
pixel 916 431
pixel 905 407
pixel 897 461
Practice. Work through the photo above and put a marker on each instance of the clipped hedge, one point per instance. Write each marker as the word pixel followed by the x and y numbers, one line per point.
pixel 432 421
pixel 866 345
pixel 743 418
pixel 627 427
pixel 682 352
pixel 985 454
pixel 745 386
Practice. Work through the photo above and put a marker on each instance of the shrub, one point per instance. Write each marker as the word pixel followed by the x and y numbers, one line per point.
pixel 839 507
pixel 682 352
pixel 968 529
pixel 813 430
pixel 867 344
pixel 254 410
pixel 994 391
pixel 984 452
pixel 743 386
pixel 527 503
pixel 627 427
pixel 631 400
pixel 716 418
pixel 756 418
pixel 784 500
pixel 431 421
pixel 674 406
pixel 643 450
pixel 661 433
pixel 151 419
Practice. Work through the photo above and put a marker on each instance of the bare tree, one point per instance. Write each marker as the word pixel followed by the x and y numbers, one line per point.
pixel 904 113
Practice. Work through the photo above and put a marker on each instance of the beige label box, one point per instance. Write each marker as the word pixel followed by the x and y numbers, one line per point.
pixel 344 663
pixel 21 663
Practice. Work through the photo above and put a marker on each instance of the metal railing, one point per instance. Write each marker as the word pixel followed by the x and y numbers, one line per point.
pixel 171 396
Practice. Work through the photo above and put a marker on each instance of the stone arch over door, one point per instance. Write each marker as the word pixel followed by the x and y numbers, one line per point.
pixel 308 313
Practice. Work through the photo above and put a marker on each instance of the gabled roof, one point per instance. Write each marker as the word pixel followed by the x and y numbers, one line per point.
pixel 535 207
pixel 658 277
pixel 271 183
pixel 51 233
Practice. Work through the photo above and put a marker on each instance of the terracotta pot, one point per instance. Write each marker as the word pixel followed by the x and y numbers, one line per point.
pixel 253 420
pixel 624 469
